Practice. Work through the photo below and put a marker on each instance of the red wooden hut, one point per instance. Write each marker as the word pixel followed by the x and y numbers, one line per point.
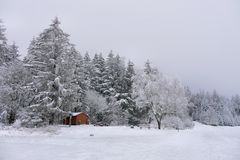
pixel 77 119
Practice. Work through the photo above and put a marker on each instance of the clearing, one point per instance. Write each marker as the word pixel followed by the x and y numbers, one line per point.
pixel 120 143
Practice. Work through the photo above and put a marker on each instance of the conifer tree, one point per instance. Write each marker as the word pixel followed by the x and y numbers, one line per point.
pixel 50 60
pixel 8 53
pixel 95 75
pixel 108 81
pixel 12 77
pixel 87 69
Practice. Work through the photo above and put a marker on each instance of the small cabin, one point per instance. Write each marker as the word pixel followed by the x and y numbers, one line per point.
pixel 77 119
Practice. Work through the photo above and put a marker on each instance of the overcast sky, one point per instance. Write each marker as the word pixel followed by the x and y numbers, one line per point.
pixel 195 41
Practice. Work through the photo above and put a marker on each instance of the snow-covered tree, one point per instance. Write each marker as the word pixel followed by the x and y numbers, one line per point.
pixel 235 108
pixel 13 96
pixel 119 74
pixel 128 78
pixel 50 61
pixel 3 45
pixel 147 67
pixel 73 79
pixel 165 97
pixel 12 77
pixel 116 114
pixel 108 81
pixel 98 72
pixel 2 33
pixel 96 104
pixel 212 109
pixel 8 52
pixel 191 106
pixel 87 69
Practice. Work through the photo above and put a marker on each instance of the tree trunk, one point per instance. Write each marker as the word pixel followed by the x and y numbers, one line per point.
pixel 12 117
pixel 159 120
pixel 159 124
pixel 52 118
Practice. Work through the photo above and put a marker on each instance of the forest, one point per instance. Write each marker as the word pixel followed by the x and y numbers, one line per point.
pixel 54 78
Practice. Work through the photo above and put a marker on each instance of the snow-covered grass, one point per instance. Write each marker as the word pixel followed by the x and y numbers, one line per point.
pixel 10 131
pixel 120 143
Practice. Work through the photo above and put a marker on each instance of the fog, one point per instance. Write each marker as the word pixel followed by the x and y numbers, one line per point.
pixel 195 41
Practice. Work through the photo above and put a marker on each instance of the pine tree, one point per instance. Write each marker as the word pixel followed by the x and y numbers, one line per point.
pixel 235 106
pixel 73 80
pixel 102 73
pixel 12 77
pixel 49 60
pixel 128 78
pixel 119 74
pixel 95 74
pixel 79 78
pixel 87 69
pixel 13 96
pixel 98 73
pixel 8 53
pixel 2 33
pixel 147 67
pixel 108 80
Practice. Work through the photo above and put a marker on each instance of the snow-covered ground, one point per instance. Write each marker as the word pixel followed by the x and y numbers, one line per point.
pixel 120 143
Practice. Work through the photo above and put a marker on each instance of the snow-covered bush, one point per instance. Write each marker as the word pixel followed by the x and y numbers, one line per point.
pixel 32 120
pixel 172 122
pixel 17 124
pixel 176 122
pixel 4 117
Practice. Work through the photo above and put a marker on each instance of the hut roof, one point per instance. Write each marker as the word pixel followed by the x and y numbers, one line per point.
pixel 77 113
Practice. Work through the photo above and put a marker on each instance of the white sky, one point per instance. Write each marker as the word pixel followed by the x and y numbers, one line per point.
pixel 196 41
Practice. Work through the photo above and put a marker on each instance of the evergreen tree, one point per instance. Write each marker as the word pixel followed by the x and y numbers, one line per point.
pixel 12 77
pixel 235 106
pixel 73 80
pixel 128 78
pixel 108 82
pixel 95 75
pixel 147 67
pixel 13 96
pixel 102 73
pixel 50 62
pixel 2 33
pixel 87 69
pixel 119 74
pixel 8 53
pixel 79 77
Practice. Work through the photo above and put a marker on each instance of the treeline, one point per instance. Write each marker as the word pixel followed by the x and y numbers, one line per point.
pixel 55 79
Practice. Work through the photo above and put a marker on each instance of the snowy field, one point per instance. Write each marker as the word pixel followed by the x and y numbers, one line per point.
pixel 120 143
